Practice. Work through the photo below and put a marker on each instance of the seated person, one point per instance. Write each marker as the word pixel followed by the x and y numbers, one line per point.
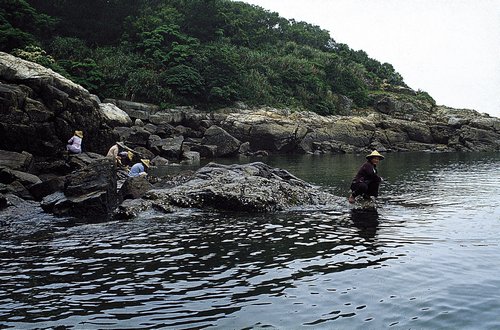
pixel 75 143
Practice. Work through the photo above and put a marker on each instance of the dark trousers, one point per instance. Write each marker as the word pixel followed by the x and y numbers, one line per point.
pixel 365 188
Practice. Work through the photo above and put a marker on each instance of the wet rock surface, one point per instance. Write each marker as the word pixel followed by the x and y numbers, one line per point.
pixel 254 187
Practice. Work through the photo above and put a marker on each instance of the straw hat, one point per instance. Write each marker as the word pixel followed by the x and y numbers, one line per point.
pixel 374 154
pixel 145 162
pixel 79 134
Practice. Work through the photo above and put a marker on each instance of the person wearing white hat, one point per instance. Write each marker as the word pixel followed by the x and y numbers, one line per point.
pixel 139 169
pixel 367 181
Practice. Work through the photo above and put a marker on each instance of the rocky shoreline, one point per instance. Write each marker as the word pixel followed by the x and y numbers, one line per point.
pixel 40 110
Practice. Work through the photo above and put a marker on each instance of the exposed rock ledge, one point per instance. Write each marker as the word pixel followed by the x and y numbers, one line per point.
pixel 254 187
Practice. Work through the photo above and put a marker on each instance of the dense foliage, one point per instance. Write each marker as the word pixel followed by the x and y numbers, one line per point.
pixel 208 53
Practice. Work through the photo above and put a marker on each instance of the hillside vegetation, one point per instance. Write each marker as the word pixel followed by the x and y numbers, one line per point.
pixel 205 53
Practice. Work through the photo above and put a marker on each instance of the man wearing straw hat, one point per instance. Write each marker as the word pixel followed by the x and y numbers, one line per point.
pixel 122 158
pixel 75 143
pixel 139 169
pixel 367 181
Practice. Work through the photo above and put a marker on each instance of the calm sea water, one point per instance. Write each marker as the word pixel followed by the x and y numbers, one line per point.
pixel 427 259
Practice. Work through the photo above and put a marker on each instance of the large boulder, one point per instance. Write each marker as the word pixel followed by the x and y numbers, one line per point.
pixel 17 161
pixel 266 129
pixel 397 105
pixel 18 182
pixel 40 109
pixel 135 187
pixel 476 139
pixel 47 187
pixel 254 187
pixel 171 117
pixel 354 131
pixel 170 148
pixel 89 193
pixel 8 176
pixel 226 144
pixel 114 116
pixel 286 131
pixel 135 110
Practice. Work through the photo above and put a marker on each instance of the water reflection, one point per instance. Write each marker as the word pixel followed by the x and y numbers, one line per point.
pixel 366 220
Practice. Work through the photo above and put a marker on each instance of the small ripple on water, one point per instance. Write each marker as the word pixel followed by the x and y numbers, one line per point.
pixel 83 259
pixel 418 262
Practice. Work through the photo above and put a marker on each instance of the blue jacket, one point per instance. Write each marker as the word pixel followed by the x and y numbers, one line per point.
pixel 136 170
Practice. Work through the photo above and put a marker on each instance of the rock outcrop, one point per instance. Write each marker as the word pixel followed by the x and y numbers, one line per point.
pixel 89 192
pixel 399 126
pixel 41 109
pixel 254 187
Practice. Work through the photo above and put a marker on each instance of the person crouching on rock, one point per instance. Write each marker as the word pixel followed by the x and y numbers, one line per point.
pixel 121 158
pixel 113 152
pixel 139 169
pixel 367 181
pixel 125 158
pixel 75 143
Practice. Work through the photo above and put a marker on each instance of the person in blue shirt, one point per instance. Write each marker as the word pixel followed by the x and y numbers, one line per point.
pixel 139 169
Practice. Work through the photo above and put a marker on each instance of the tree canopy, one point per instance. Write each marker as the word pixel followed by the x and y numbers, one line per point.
pixel 207 53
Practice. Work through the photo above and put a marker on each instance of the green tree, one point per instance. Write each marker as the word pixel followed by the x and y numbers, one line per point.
pixel 37 55
pixel 68 48
pixel 250 26
pixel 306 34
pixel 208 53
pixel 220 66
pixel 21 25
pixel 346 78
pixel 201 18
pixel 98 22
pixel 184 81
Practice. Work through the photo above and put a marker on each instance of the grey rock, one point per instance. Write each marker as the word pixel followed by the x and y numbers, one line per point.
pixel 131 208
pixel 89 192
pixel 135 187
pixel 205 150
pixel 254 187
pixel 42 109
pixel 8 175
pixel 226 144
pixel 159 161
pixel 191 158
pixel 17 161
pixel 114 116
pixel 47 187
pixel 3 201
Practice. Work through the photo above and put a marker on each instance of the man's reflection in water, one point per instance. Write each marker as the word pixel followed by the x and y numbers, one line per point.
pixel 366 220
